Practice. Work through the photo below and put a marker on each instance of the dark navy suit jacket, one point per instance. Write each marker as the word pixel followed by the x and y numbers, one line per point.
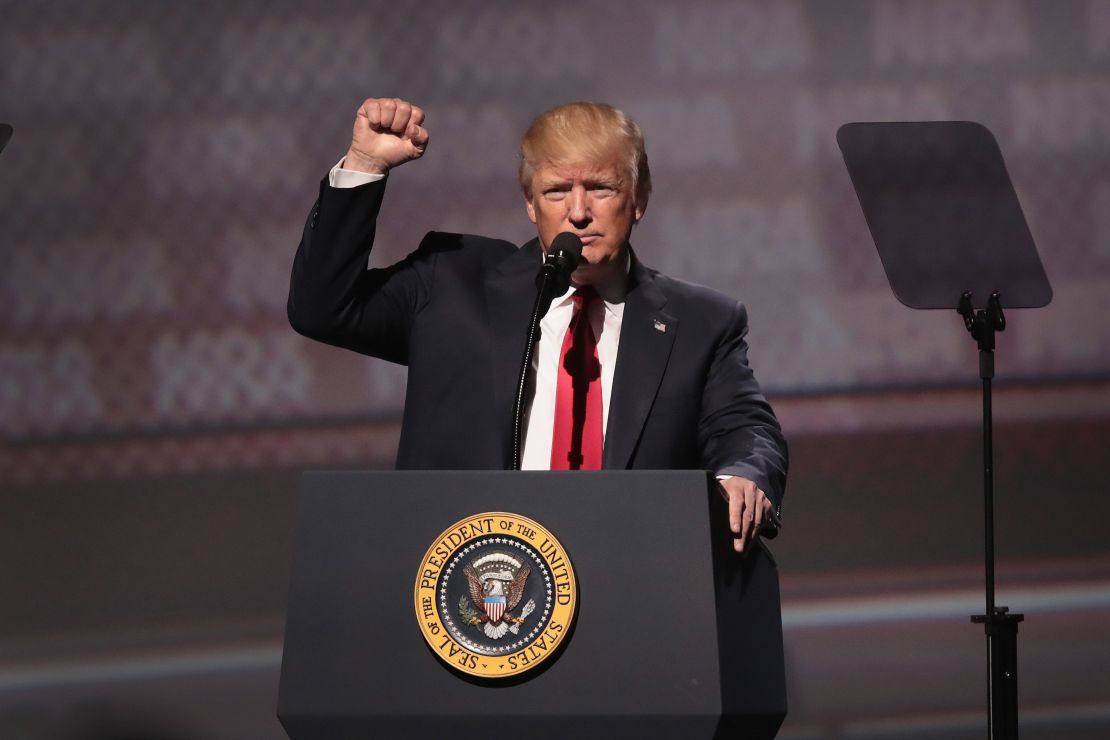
pixel 456 313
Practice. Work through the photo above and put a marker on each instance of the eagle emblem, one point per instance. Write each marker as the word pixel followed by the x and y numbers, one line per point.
pixel 496 585
pixel 491 600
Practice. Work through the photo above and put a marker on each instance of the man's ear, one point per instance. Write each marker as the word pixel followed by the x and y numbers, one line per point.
pixel 530 207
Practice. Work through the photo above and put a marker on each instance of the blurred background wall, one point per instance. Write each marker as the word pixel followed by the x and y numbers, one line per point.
pixel 156 410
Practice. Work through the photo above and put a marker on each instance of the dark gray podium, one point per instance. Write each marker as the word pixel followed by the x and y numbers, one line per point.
pixel 676 636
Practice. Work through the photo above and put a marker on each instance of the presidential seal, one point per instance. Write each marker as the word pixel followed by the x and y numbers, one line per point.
pixel 495 595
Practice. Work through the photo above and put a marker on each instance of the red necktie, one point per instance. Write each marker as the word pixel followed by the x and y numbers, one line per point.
pixel 577 439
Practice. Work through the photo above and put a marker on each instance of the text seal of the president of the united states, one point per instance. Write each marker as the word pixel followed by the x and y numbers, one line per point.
pixel 495 595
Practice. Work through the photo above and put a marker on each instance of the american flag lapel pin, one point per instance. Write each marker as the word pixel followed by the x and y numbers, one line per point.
pixel 660 327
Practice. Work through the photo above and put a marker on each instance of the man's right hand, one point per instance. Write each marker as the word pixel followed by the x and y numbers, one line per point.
pixel 387 133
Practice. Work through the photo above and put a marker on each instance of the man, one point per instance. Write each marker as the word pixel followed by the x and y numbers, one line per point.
pixel 669 383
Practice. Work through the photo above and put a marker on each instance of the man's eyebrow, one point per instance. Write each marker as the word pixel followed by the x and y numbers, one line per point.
pixel 606 180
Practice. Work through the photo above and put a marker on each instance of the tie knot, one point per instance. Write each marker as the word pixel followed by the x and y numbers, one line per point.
pixel 584 296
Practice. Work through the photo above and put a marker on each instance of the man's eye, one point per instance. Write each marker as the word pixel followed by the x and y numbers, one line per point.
pixel 555 194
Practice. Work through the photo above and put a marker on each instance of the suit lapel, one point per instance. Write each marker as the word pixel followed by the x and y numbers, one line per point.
pixel 510 295
pixel 647 335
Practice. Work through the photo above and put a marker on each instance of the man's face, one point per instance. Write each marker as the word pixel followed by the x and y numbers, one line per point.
pixel 591 200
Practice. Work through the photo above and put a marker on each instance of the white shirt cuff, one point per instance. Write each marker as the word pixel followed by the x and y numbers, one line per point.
pixel 341 178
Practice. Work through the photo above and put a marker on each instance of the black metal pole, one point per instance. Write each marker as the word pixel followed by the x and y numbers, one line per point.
pixel 987 359
pixel 548 279
pixel 999 625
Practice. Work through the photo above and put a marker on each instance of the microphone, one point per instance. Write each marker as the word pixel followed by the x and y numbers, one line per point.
pixel 562 259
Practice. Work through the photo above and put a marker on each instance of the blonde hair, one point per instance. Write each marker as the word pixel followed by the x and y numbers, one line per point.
pixel 585 132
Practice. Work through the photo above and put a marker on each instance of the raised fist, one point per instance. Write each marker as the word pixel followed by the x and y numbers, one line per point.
pixel 387 133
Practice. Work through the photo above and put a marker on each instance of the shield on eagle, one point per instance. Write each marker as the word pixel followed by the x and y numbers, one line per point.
pixel 495 608
pixel 496 584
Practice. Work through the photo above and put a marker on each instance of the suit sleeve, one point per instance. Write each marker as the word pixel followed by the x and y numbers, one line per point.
pixel 738 431
pixel 334 298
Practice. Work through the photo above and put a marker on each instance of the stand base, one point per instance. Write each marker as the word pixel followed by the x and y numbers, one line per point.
pixel 1002 698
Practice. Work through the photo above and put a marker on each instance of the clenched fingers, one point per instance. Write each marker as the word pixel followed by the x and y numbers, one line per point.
pixel 392 115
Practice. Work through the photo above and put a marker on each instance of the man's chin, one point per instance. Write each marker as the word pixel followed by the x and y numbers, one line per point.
pixel 589 274
pixel 599 263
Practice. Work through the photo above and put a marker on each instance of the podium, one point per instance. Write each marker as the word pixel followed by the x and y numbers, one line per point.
pixel 675 635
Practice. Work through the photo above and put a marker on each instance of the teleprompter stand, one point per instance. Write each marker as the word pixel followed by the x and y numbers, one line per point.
pixel 951 234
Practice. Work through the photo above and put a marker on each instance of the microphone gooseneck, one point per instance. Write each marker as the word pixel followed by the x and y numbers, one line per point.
pixel 563 255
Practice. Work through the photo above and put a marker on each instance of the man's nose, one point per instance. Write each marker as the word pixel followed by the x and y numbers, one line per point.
pixel 578 207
